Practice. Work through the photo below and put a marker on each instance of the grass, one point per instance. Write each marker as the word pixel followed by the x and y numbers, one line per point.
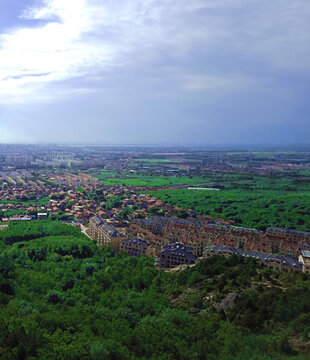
pixel 256 204
pixel 222 180
pixel 14 212
pixel 140 180
pixel 152 161
pixel 43 201
pixel 150 181
pixel 250 201
pixel 128 178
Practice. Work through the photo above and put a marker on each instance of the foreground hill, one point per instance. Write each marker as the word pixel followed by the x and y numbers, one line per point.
pixel 63 298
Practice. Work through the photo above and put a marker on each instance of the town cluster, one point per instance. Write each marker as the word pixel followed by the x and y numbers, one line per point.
pixel 47 158
pixel 61 183
pixel 77 197
pixel 143 225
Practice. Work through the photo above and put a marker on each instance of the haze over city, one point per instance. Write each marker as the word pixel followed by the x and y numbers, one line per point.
pixel 154 72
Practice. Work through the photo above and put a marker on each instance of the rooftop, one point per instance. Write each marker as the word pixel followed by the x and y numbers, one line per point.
pixel 177 246
pixel 180 253
pixel 305 253
pixel 291 231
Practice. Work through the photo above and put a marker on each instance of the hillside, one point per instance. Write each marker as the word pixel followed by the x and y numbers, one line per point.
pixel 64 298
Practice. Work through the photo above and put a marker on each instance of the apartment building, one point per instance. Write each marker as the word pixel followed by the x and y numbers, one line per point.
pixel 294 236
pixel 304 258
pixel 279 262
pixel 104 233
pixel 176 254
pixel 134 247
pixel 200 234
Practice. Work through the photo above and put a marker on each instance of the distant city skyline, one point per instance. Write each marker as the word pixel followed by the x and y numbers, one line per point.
pixel 192 73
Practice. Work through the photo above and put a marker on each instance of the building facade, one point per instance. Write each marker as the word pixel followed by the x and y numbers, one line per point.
pixel 279 262
pixel 176 254
pixel 304 258
pixel 134 247
pixel 104 233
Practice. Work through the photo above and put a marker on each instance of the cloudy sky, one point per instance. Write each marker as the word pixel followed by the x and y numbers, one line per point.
pixel 155 71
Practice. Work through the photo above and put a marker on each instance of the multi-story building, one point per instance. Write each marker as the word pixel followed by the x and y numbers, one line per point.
pixel 134 247
pixel 279 262
pixel 104 233
pixel 150 224
pixel 176 254
pixel 304 258
pixel 294 236
pixel 87 180
pixel 159 230
pixel 94 223
pixel 289 249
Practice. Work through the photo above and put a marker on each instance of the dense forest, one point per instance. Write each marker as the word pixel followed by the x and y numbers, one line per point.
pixel 62 297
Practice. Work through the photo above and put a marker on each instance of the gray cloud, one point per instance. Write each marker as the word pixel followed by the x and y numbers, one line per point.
pixel 225 66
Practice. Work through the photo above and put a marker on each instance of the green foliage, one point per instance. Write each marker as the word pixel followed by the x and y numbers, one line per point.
pixel 114 201
pixel 80 190
pixel 129 179
pixel 40 249
pixel 8 213
pixel 20 231
pixel 69 204
pixel 152 161
pixel 257 204
pixel 7 274
pixel 68 299
pixel 61 217
pixel 28 201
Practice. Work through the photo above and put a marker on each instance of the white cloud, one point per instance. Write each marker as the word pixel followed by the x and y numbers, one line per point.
pixel 32 57
pixel 87 38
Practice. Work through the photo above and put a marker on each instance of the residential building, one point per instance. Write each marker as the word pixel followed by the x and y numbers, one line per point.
pixel 304 258
pixel 104 233
pixel 294 235
pixel 176 254
pixel 279 262
pixel 134 247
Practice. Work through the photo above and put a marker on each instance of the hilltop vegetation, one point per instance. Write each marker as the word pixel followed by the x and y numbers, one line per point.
pixel 63 298
pixel 21 231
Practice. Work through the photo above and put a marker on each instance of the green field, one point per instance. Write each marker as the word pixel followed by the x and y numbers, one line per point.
pixel 149 181
pixel 153 161
pixel 250 201
pixel 222 180
pixel 130 179
pixel 137 179
pixel 256 204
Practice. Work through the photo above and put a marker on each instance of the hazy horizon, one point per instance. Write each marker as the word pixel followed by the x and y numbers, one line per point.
pixel 198 73
pixel 301 147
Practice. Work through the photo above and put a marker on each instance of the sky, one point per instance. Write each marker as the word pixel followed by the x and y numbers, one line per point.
pixel 155 71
